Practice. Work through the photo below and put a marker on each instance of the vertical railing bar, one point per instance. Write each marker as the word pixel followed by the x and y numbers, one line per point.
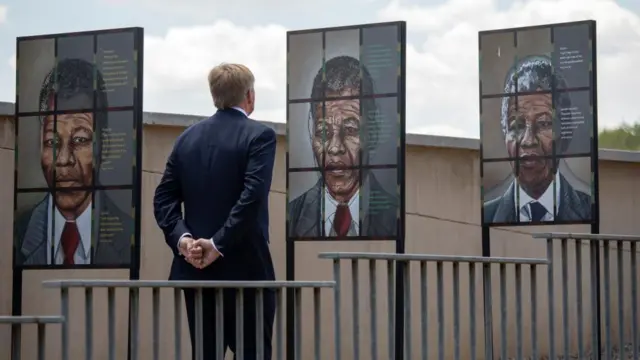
pixel 177 323
pixel 565 297
pixel 579 303
pixel 355 313
pixel 533 270
pixel 318 324
pixel 607 300
pixel 259 324
pixel 279 327
pixel 519 336
pixel 88 322
pixel 488 310
pixel 621 295
pixel 440 303
pixel 199 340
pixel 551 299
pixel 16 346
pixel 155 299
pixel 503 311
pixel 406 278
pixel 64 302
pixel 634 302
pixel 42 342
pixel 373 293
pixel 239 324
pixel 336 308
pixel 456 310
pixel 424 311
pixel 134 294
pixel 219 311
pixel 594 279
pixel 472 310
pixel 298 322
pixel 391 308
pixel 111 322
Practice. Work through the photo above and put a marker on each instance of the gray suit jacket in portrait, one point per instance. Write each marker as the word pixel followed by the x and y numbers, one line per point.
pixel 305 213
pixel 31 231
pixel 574 205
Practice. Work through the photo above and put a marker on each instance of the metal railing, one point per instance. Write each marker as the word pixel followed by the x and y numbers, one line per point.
pixel 42 322
pixel 474 265
pixel 218 287
pixel 583 253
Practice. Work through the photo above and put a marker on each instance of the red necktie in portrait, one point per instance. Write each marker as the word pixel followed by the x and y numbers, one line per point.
pixel 70 240
pixel 342 220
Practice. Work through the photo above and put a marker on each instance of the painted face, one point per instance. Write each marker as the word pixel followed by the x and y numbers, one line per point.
pixel 336 140
pixel 67 159
pixel 530 137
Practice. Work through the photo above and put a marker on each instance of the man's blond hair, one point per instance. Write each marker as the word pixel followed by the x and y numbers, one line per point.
pixel 229 84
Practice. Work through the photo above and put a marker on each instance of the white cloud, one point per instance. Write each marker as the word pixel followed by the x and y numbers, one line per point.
pixel 176 66
pixel 12 62
pixel 3 14
pixel 442 80
pixel 442 60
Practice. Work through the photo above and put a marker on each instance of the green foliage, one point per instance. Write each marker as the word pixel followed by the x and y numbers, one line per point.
pixel 625 137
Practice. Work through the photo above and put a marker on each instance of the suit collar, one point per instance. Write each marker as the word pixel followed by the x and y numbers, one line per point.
pixel 234 111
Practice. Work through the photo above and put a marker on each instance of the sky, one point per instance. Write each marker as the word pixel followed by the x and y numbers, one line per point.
pixel 184 39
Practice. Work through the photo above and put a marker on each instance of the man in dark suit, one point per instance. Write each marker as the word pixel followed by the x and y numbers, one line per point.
pixel 63 234
pixel 220 169
pixel 343 132
pixel 527 124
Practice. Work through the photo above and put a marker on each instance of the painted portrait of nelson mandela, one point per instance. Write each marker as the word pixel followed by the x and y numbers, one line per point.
pixel 538 192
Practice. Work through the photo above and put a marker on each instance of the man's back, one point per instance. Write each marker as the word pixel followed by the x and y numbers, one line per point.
pixel 216 172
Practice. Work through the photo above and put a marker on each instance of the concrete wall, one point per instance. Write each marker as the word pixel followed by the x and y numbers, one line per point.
pixel 443 202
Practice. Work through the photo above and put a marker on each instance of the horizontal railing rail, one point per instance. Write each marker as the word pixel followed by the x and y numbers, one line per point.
pixel 218 287
pixel 17 322
pixel 404 260
pixel 626 250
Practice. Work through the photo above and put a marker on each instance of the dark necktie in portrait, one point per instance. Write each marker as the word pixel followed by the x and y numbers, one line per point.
pixel 539 191
pixel 62 228
pixel 347 200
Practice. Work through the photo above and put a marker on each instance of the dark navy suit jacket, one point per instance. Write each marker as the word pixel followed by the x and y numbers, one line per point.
pixel 221 170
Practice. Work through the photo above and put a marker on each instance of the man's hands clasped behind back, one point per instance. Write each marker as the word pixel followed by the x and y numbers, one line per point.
pixel 199 253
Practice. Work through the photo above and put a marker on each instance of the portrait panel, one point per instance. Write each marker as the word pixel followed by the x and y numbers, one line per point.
pixel 494 122
pixel 30 228
pixel 573 123
pixel 497 53
pixel 572 51
pixel 114 148
pixel 379 203
pixel 29 150
pixel 73 77
pixel 303 64
pixel 304 130
pixel 305 206
pixel 342 64
pixel 531 43
pixel 578 175
pixel 56 230
pixel 35 60
pixel 380 54
pixel 114 227
pixel 116 60
pixel 67 151
pixel 380 130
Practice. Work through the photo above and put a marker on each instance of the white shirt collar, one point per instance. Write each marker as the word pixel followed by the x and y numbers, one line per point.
pixel 546 200
pixel 84 228
pixel 240 109
pixel 330 206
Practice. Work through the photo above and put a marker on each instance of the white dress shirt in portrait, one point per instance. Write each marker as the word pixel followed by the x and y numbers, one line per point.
pixel 56 221
pixel 330 206
pixel 546 200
